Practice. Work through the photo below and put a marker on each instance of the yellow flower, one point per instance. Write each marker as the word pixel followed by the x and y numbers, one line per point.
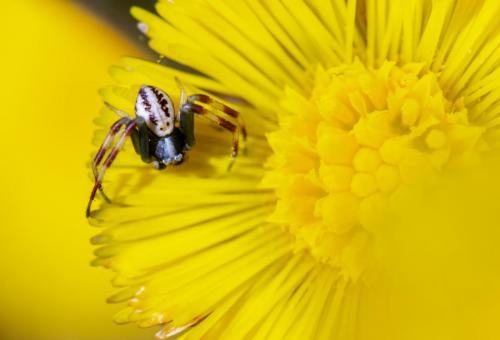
pixel 357 112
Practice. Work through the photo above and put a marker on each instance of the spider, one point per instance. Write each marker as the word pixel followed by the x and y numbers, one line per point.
pixel 158 135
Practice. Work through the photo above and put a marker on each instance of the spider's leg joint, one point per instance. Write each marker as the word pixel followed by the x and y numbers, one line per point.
pixel 130 127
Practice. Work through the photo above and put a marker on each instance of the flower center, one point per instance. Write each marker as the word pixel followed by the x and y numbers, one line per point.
pixel 341 155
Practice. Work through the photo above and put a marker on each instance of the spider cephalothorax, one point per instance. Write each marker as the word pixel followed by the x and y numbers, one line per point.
pixel 160 135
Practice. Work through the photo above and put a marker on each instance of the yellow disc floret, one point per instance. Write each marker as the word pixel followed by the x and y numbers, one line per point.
pixel 362 135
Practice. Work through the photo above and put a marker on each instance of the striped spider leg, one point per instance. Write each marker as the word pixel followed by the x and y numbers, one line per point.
pixel 212 112
pixel 115 128
pixel 130 127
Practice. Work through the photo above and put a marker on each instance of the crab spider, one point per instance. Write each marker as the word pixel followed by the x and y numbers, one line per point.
pixel 160 136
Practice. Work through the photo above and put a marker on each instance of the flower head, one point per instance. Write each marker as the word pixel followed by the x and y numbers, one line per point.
pixel 349 105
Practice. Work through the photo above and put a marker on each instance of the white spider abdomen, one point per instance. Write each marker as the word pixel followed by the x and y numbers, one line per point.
pixel 156 108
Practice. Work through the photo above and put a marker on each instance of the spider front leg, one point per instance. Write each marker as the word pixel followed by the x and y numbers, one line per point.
pixel 203 98
pixel 186 117
pixel 129 129
pixel 140 140
pixel 186 122
pixel 104 147
pixel 188 109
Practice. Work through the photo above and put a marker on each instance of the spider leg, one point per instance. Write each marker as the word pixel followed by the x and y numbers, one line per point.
pixel 104 147
pixel 181 90
pixel 185 117
pixel 140 140
pixel 186 124
pixel 203 98
pixel 129 129
pixel 116 110
pixel 202 111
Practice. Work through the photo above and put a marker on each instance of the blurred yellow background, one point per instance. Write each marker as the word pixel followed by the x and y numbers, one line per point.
pixel 54 59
